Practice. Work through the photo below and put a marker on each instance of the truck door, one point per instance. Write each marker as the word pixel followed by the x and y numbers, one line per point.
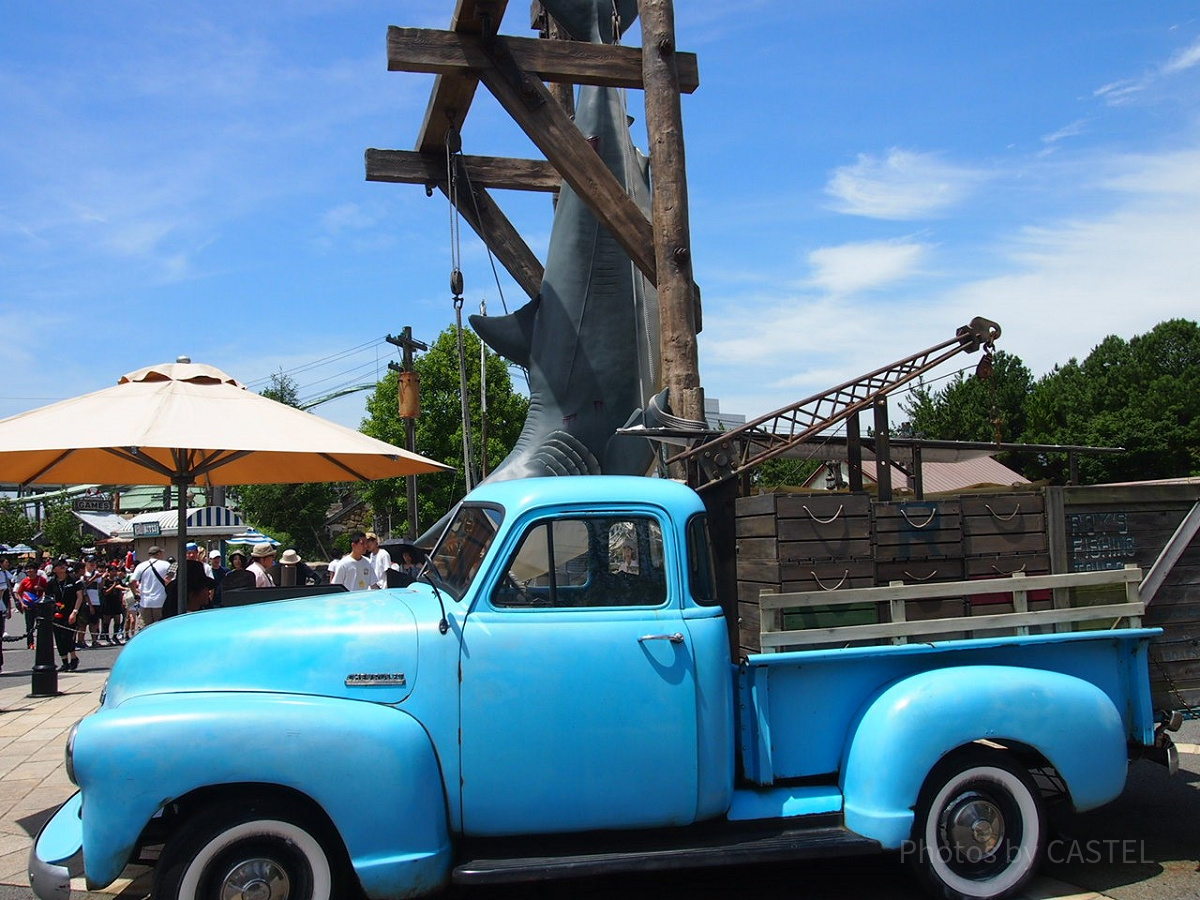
pixel 578 696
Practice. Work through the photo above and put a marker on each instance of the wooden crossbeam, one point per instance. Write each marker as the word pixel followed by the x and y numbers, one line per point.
pixel 411 167
pixel 527 100
pixel 572 62
pixel 452 94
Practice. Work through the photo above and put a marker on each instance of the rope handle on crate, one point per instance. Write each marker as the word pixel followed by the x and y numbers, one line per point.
pixel 918 578
pixel 1001 572
pixel 1000 518
pixel 932 514
pixel 821 521
pixel 817 579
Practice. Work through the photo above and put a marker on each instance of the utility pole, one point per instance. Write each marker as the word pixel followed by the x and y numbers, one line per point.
pixel 410 408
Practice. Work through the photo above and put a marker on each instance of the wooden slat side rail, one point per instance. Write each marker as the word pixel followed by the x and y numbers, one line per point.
pixel 1114 611
pixel 941 590
pixel 895 596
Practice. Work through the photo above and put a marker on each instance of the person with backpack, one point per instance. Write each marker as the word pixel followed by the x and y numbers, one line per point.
pixel 149 584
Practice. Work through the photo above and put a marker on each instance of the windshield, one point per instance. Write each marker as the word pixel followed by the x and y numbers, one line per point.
pixel 457 557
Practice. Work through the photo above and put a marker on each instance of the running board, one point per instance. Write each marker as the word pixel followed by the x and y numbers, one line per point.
pixel 736 849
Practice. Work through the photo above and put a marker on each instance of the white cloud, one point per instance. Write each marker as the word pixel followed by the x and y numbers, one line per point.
pixel 1184 59
pixel 901 186
pixel 1074 129
pixel 857 267
pixel 1064 285
pixel 1118 93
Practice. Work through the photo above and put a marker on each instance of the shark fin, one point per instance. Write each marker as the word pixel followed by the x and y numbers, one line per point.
pixel 511 336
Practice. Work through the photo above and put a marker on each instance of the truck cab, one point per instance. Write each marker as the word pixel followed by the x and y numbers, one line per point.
pixel 591 643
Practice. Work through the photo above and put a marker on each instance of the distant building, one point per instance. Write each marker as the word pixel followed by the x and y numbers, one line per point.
pixel 717 420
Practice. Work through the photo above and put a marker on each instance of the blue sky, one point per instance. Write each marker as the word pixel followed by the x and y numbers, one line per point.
pixel 864 177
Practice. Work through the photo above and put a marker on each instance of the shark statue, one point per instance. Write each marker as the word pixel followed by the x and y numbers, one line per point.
pixel 590 339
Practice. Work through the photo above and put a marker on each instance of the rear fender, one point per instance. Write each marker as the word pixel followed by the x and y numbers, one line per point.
pixel 903 731
pixel 370 767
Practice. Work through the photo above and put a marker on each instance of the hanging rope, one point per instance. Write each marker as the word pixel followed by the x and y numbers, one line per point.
pixel 454 146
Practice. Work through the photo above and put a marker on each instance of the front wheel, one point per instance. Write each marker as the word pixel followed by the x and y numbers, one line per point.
pixel 980 831
pixel 268 852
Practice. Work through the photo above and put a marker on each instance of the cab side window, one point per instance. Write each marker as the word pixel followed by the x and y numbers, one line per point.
pixel 600 561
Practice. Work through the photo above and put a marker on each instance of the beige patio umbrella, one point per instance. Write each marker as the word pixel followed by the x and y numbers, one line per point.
pixel 184 423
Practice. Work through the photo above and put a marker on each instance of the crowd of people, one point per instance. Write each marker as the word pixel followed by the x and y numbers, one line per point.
pixel 91 602
pixel 95 602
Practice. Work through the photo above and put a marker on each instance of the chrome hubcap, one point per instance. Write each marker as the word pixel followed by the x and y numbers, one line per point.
pixel 256 879
pixel 974 827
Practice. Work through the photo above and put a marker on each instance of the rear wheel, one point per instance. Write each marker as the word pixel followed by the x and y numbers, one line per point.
pixel 250 852
pixel 980 829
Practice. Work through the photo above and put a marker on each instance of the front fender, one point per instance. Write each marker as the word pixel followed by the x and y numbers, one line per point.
pixel 904 730
pixel 370 767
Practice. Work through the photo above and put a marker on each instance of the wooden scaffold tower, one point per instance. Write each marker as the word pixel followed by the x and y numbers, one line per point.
pixel 516 71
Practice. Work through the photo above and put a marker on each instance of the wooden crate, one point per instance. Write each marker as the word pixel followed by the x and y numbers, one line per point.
pixel 801 542
pixel 917 530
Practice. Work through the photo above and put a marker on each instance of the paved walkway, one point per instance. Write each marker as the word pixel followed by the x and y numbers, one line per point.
pixel 33 779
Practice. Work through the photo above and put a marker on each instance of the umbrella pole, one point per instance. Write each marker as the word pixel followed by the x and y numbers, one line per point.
pixel 181 482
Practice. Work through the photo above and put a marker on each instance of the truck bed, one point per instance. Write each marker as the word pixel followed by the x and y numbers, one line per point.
pixel 808 701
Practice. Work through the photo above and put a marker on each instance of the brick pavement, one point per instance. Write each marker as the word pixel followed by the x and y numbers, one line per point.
pixel 33 778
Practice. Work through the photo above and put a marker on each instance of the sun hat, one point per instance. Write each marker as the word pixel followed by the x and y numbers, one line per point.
pixel 290 557
pixel 261 550
pixel 214 554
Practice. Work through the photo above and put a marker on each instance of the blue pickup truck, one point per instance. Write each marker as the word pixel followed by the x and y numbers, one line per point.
pixel 555 697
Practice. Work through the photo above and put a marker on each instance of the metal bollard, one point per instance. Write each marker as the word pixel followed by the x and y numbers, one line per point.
pixel 44 682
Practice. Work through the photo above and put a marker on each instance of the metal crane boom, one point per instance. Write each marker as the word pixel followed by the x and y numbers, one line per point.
pixel 726 456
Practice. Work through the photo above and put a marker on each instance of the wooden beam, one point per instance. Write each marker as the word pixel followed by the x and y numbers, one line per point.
pixel 488 221
pixel 452 94
pixel 411 167
pixel 572 62
pixel 527 100
pixel 678 302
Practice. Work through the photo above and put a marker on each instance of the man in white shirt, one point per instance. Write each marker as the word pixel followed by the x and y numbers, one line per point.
pixel 381 560
pixel 355 572
pixel 262 562
pixel 149 584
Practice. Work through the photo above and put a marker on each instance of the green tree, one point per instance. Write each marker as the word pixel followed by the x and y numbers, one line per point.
pixel 61 530
pixel 15 526
pixel 293 514
pixel 1142 395
pixel 439 427
pixel 972 407
pixel 777 473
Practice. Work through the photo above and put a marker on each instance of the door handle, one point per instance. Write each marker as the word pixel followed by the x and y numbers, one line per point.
pixel 676 638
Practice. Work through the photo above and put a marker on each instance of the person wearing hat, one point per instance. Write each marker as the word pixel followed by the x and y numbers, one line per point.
pixel 381 560
pixel 150 580
pixel 68 598
pixel 262 558
pixel 301 574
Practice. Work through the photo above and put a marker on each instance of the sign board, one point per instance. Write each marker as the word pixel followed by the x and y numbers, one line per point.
pixel 147 529
pixel 92 504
